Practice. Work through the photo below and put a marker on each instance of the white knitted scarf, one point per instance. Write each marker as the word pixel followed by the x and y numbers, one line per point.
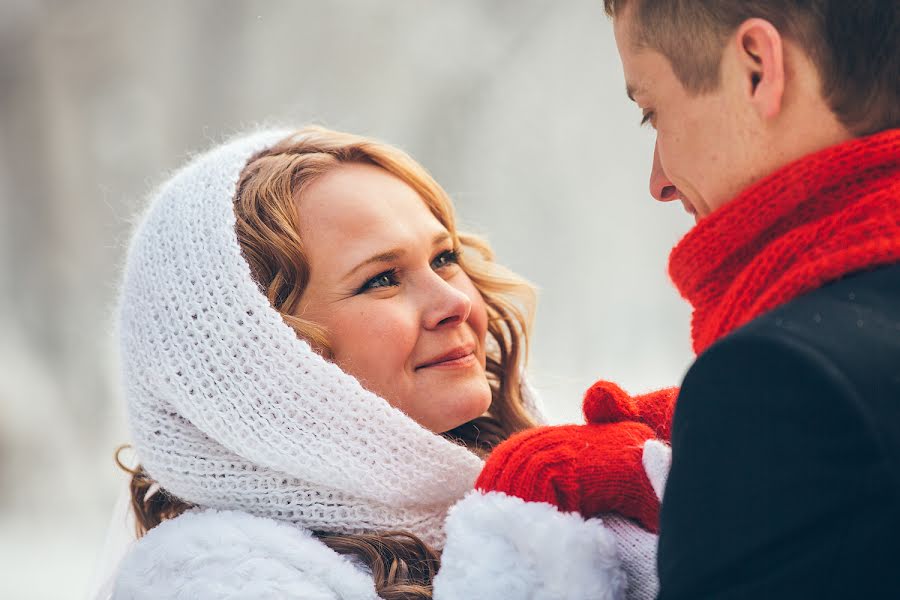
pixel 229 409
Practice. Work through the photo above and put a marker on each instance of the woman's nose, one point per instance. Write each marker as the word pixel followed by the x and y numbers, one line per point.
pixel 661 188
pixel 446 305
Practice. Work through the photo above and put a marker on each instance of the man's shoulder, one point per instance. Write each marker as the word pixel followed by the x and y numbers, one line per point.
pixel 826 361
pixel 850 326
pixel 863 305
pixel 786 439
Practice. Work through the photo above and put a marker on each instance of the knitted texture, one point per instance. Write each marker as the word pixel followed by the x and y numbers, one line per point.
pixel 228 409
pixel 814 221
pixel 606 402
pixel 637 549
pixel 593 469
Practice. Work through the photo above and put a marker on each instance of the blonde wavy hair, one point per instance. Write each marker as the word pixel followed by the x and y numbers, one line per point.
pixel 265 206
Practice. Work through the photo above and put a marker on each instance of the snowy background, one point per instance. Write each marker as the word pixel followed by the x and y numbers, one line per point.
pixel 516 106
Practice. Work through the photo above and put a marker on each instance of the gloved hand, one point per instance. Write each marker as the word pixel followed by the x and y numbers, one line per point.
pixel 605 402
pixel 591 469
pixel 502 547
pixel 598 468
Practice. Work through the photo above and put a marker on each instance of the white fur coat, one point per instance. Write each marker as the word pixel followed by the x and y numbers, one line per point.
pixel 497 547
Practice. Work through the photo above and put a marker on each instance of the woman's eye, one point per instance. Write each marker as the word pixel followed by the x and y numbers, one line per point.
pixel 382 280
pixel 648 117
pixel 450 257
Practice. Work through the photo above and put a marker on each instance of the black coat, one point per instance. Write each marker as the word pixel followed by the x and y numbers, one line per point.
pixel 785 479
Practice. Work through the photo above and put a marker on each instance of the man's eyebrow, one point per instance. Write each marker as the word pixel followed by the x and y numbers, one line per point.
pixel 391 255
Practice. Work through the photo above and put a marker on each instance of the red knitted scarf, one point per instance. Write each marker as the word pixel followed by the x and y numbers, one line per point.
pixel 811 222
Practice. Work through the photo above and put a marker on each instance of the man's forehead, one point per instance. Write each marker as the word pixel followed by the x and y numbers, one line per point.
pixel 631 55
pixel 640 66
pixel 638 84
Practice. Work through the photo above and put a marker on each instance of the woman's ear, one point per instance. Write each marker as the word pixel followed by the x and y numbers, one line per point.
pixel 760 54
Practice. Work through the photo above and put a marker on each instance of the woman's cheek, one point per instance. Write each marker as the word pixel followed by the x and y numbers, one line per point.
pixel 379 341
pixel 478 315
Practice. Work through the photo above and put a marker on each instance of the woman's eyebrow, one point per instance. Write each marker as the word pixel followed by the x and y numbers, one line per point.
pixel 381 257
pixel 392 255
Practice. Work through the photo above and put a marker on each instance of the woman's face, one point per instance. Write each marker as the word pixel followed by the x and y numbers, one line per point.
pixel 400 314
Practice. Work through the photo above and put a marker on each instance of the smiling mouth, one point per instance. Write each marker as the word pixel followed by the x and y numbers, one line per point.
pixel 689 209
pixel 458 357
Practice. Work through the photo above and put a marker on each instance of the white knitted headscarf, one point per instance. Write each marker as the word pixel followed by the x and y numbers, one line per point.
pixel 229 409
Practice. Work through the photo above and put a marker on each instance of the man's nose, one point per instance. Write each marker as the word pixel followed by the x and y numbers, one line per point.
pixel 660 187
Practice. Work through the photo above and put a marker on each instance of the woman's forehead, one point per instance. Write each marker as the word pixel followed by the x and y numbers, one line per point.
pixel 361 208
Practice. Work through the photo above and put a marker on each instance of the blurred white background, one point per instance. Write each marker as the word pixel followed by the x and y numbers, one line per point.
pixel 516 106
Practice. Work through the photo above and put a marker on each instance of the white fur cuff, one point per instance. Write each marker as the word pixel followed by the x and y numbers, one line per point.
pixel 499 546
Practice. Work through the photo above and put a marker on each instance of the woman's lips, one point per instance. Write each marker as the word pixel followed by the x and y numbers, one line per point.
pixel 464 361
pixel 460 357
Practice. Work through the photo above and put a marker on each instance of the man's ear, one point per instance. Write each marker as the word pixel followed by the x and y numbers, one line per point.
pixel 760 54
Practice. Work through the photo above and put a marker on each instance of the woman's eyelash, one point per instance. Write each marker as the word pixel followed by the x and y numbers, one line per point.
pixel 445 258
pixel 648 116
pixel 384 279
pixel 389 278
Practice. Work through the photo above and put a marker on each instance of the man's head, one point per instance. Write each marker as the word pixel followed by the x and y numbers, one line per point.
pixel 738 88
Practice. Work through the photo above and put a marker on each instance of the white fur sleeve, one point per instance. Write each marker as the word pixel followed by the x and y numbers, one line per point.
pixel 499 546
pixel 226 555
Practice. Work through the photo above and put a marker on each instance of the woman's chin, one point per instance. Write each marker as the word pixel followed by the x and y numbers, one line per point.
pixel 467 403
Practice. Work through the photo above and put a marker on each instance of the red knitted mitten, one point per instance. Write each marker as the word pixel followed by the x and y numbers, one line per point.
pixel 605 402
pixel 593 469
